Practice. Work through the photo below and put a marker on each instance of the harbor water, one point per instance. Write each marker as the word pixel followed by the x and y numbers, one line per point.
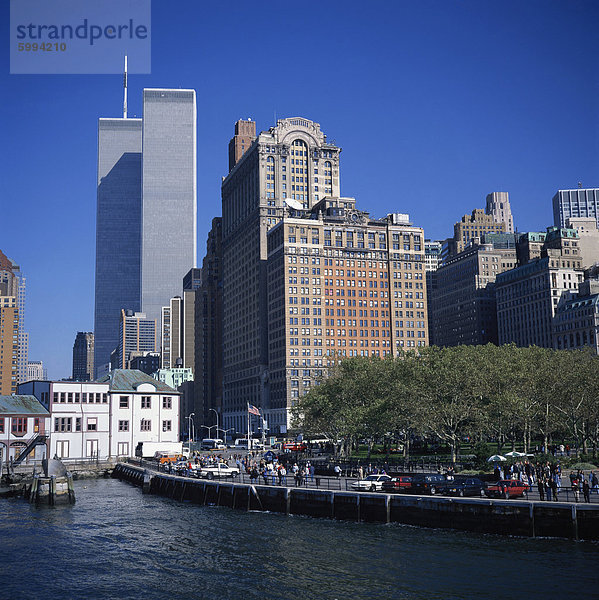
pixel 116 542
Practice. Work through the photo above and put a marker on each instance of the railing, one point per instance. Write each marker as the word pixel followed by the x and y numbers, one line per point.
pixel 320 482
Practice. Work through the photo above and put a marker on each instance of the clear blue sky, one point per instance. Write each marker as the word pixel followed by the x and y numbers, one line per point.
pixel 435 104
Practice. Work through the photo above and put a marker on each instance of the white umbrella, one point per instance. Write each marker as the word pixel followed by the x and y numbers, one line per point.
pixel 514 454
pixel 496 458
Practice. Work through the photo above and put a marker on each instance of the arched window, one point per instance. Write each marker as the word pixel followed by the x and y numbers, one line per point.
pixel 300 177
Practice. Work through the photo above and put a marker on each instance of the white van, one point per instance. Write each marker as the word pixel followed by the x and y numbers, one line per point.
pixel 212 444
pixel 242 443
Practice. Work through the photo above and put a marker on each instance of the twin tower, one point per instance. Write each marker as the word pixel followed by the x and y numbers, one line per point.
pixel 146 211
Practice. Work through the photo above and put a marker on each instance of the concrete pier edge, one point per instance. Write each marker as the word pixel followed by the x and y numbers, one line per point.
pixel 508 517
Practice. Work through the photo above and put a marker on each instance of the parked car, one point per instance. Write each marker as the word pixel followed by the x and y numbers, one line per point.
pixel 471 486
pixel 396 485
pixel 372 483
pixel 218 471
pixel 428 484
pixel 507 488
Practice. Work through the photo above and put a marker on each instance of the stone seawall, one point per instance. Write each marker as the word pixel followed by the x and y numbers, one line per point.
pixel 511 517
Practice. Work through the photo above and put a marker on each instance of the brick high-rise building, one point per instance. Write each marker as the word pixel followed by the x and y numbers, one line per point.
pixel 245 134
pixel 290 173
pixel 83 356
pixel 9 325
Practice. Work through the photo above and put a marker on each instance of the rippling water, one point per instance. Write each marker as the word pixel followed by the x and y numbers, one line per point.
pixel 117 543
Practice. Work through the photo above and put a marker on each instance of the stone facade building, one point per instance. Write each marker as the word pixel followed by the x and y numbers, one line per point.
pixel 464 309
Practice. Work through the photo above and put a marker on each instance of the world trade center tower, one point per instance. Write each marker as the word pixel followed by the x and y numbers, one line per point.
pixel 146 211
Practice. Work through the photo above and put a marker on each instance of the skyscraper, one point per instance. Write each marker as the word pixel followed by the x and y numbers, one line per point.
pixel 575 204
pixel 137 335
pixel 290 162
pixel 168 248
pixel 83 356
pixel 285 231
pixel 118 230
pixel 146 211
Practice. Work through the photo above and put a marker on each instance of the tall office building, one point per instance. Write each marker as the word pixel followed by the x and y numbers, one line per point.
pixel 118 230
pixel 208 321
pixel 83 356
pixel 137 335
pixel 172 335
pixel 432 261
pixel 146 211
pixel 9 326
pixel 169 208
pixel 498 206
pixel 577 203
pixel 285 230
pixel 464 309
pixel 292 161
pixel 340 284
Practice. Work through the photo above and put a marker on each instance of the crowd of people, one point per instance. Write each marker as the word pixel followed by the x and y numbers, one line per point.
pixel 547 478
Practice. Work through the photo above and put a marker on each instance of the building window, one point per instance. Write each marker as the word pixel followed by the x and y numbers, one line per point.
pixel 123 448
pixel 167 402
pixel 166 425
pixel 84 397
pixel 78 424
pixel 1 424
pixel 63 424
pixel 105 398
pixel 92 424
pixel 146 425
pixel 19 426
pixel 124 402
pixel 146 402
pixel 55 397
pixel 123 425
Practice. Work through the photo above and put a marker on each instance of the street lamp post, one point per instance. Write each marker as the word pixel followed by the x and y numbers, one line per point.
pixel 216 413
pixel 191 428
pixel 209 428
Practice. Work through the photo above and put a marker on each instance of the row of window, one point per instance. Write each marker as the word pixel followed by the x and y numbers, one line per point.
pixel 65 424
pixel 18 425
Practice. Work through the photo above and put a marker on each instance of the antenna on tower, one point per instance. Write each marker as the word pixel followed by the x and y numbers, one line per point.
pixel 125 90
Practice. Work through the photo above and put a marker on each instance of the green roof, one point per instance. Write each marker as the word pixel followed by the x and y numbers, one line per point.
pixel 127 380
pixel 21 405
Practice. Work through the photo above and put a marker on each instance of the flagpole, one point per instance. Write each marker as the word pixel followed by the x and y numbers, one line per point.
pixel 248 431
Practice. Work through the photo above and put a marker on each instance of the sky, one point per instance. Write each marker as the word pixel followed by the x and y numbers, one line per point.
pixel 435 103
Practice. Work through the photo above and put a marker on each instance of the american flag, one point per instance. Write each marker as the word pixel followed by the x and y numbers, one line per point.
pixel 253 410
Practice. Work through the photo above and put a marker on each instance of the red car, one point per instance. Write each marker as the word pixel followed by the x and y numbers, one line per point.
pixel 397 485
pixel 507 488
pixel 295 447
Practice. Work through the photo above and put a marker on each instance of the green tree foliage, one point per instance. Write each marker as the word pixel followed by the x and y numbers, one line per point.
pixel 505 394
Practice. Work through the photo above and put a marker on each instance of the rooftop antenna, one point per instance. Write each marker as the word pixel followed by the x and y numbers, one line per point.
pixel 125 90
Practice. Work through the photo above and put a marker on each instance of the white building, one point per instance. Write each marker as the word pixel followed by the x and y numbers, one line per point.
pixel 108 418
pixel 36 370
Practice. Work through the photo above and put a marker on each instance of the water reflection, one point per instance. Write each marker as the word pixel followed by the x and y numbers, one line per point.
pixel 117 543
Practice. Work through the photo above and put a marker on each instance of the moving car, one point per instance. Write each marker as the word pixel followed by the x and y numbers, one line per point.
pixel 372 483
pixel 218 471
pixel 507 488
pixel 396 485
pixel 471 486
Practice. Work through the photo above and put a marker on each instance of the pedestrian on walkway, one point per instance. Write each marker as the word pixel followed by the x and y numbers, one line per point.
pixel 586 491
